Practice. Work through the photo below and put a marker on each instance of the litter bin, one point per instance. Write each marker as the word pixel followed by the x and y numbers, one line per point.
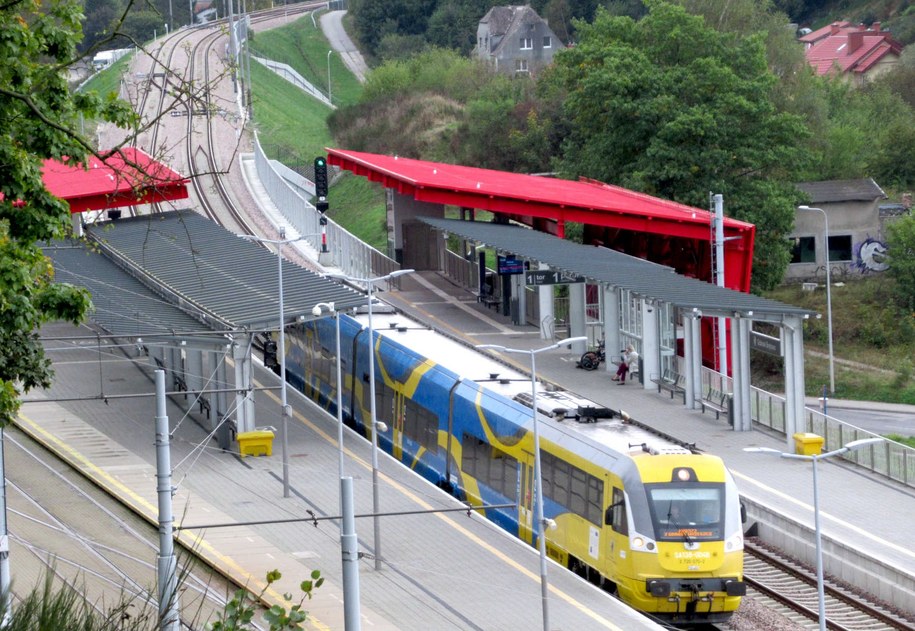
pixel 641 372
pixel 807 444
pixel 256 443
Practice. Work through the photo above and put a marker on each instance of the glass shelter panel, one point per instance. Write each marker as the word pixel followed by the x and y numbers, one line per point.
pixel 667 336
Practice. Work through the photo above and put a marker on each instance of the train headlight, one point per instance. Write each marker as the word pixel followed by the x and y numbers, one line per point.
pixel 734 543
pixel 641 543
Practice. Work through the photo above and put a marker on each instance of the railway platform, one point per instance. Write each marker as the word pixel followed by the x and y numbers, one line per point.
pixel 440 570
pixel 865 519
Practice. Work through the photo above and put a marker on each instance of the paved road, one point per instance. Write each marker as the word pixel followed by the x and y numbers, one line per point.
pixel 332 25
pixel 879 418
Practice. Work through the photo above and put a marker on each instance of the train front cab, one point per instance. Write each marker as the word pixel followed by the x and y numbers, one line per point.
pixel 676 541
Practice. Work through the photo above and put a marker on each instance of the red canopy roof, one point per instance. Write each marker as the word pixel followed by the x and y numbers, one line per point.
pixel 588 202
pixel 126 178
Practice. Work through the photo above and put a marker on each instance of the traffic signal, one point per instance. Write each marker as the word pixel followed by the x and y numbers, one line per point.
pixel 321 178
pixel 270 360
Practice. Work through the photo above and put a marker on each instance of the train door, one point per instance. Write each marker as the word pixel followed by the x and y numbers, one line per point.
pixel 399 414
pixel 617 544
pixel 526 498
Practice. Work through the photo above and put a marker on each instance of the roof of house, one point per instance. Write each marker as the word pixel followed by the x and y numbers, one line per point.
pixel 827 191
pixel 503 21
pixel 821 33
pixel 848 48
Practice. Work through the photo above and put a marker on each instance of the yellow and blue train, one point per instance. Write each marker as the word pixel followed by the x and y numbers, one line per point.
pixel 644 517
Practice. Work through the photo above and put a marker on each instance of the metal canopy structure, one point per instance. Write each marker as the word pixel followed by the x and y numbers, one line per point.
pixel 123 306
pixel 229 282
pixel 190 293
pixel 619 270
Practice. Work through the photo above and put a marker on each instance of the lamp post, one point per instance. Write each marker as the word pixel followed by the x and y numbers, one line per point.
pixel 538 478
pixel 373 420
pixel 348 541
pixel 832 372
pixel 330 97
pixel 279 243
pixel 855 444
pixel 317 310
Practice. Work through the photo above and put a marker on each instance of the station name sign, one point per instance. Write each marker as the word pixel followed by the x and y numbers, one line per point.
pixel 547 277
pixel 765 343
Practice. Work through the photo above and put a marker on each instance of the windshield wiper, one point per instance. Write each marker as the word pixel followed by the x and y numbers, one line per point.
pixel 676 524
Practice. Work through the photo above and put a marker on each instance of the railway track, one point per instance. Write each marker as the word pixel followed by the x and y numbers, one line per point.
pixel 185 91
pixel 61 524
pixel 791 588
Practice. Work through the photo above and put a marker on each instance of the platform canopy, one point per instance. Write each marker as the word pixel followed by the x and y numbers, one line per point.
pixel 639 224
pixel 127 177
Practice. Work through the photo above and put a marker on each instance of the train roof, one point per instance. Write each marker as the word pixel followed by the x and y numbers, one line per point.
pixel 565 418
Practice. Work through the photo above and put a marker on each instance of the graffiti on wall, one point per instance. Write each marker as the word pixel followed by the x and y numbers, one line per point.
pixel 870 256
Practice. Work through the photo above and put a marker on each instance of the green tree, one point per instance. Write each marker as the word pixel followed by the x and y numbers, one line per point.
pixel 901 242
pixel 454 24
pixel 671 107
pixel 38 116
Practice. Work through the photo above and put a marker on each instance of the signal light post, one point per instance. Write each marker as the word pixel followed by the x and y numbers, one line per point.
pixel 321 195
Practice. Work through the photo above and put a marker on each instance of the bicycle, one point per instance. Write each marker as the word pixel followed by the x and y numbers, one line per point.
pixel 592 359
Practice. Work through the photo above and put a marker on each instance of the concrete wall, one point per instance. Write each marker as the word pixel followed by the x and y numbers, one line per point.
pixel 879 578
pixel 861 221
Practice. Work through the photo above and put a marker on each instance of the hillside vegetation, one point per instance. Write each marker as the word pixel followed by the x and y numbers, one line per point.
pixel 867 328
pixel 873 342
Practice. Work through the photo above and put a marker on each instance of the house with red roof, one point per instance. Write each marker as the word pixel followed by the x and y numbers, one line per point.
pixel 852 52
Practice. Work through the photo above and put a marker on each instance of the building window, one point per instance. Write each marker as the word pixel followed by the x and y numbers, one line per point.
pixel 803 250
pixel 527 43
pixel 521 65
pixel 547 42
pixel 840 247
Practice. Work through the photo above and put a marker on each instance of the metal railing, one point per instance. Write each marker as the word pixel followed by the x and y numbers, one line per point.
pixel 890 459
pixel 348 253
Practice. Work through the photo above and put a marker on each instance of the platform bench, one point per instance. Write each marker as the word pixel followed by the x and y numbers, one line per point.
pixel 493 302
pixel 715 400
pixel 673 382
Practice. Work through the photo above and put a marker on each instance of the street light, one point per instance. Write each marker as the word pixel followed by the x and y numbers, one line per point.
pixel 538 478
pixel 853 445
pixel 348 541
pixel 330 98
pixel 375 425
pixel 279 243
pixel 832 372
pixel 316 311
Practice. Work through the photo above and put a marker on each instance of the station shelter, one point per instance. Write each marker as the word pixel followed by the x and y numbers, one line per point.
pixel 178 289
pixel 663 307
pixel 694 242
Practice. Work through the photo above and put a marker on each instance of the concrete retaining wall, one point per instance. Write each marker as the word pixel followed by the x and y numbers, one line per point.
pixel 886 582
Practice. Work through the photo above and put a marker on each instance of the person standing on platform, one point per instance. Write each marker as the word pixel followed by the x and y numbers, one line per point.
pixel 628 361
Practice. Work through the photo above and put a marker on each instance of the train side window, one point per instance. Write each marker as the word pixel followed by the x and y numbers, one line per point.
pixel 615 516
pixel 420 425
pixel 384 403
pixel 489 466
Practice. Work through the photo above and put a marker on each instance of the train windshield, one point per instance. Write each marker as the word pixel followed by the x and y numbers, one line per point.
pixel 687 513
